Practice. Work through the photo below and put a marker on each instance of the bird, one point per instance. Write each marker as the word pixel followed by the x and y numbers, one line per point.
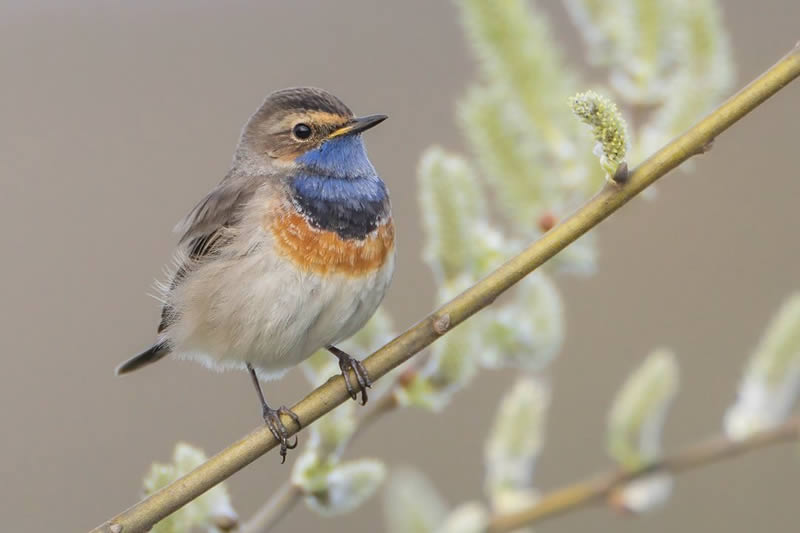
pixel 292 252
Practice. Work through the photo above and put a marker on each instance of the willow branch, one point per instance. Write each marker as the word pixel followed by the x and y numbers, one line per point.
pixel 325 398
pixel 288 495
pixel 274 510
pixel 385 404
pixel 599 488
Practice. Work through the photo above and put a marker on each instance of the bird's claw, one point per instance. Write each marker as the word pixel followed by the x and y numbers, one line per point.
pixel 272 417
pixel 347 363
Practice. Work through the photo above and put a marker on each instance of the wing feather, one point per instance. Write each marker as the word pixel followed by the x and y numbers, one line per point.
pixel 205 230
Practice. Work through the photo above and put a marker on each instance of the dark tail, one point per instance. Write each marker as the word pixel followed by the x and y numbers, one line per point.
pixel 151 355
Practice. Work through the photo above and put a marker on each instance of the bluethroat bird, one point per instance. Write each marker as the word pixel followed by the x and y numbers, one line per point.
pixel 290 253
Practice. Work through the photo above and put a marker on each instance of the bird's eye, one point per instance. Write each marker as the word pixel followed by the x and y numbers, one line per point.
pixel 302 131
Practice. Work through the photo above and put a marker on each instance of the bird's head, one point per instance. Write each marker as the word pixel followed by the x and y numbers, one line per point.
pixel 309 130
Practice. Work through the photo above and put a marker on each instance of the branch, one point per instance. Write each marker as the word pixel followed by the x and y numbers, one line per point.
pixel 288 495
pixel 596 490
pixel 274 510
pixel 143 515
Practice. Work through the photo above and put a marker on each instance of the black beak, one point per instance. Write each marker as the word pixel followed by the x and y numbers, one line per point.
pixel 359 124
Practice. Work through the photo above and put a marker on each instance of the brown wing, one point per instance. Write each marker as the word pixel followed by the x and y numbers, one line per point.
pixel 220 207
pixel 205 229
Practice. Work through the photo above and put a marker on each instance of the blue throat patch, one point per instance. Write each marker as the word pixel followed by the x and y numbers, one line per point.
pixel 339 190
pixel 341 157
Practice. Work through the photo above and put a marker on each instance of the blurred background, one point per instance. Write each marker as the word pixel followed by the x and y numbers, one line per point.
pixel 115 118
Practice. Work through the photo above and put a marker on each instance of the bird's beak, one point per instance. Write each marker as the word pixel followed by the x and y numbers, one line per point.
pixel 357 125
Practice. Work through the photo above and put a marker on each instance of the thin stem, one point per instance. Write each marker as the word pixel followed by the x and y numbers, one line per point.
pixel 328 396
pixel 282 501
pixel 385 404
pixel 599 488
pixel 274 510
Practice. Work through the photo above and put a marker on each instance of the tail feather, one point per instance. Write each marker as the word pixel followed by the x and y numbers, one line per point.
pixel 151 355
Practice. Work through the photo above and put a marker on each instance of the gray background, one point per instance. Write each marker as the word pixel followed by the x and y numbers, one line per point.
pixel 115 117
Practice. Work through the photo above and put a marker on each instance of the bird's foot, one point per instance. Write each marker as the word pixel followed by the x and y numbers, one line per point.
pixel 272 417
pixel 347 363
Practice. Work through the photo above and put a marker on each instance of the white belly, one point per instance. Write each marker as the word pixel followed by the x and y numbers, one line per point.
pixel 261 310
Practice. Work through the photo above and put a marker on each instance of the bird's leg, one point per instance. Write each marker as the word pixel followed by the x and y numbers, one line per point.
pixel 272 417
pixel 347 363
